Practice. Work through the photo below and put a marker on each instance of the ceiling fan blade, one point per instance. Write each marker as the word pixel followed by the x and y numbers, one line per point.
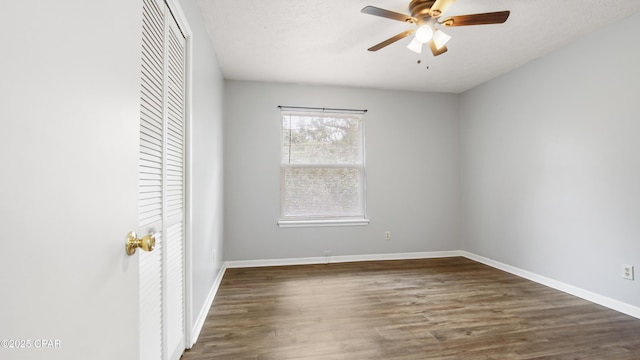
pixel 477 19
pixel 439 7
pixel 391 40
pixel 372 10
pixel 435 51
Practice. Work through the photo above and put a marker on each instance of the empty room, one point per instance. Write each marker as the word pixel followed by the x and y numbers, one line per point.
pixel 388 179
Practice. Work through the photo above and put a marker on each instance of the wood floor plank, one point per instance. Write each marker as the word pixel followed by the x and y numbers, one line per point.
pixel 441 309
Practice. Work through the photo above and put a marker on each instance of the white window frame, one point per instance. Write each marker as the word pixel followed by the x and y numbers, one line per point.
pixel 312 221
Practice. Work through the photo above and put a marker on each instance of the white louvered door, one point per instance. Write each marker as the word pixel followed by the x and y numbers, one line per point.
pixel 162 184
pixel 174 199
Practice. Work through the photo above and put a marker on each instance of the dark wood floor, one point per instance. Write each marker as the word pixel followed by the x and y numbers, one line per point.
pixel 451 308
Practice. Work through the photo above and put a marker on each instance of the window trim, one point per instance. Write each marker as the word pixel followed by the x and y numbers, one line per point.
pixel 323 222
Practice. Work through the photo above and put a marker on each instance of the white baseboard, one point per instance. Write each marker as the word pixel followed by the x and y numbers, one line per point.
pixel 558 285
pixel 341 259
pixel 202 315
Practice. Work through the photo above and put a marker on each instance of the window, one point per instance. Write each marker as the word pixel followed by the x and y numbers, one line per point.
pixel 322 168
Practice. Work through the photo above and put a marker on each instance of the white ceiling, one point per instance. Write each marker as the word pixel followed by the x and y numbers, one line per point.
pixel 326 41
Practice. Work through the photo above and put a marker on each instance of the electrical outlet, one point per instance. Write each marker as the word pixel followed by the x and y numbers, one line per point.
pixel 627 272
pixel 387 235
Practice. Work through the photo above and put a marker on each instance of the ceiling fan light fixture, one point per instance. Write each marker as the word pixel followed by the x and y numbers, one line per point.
pixel 415 46
pixel 440 38
pixel 424 34
pixel 425 15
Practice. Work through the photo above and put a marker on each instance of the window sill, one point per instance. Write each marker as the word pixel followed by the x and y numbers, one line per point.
pixel 328 222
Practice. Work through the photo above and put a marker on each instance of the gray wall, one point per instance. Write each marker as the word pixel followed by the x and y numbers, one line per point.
pixel 412 145
pixel 551 164
pixel 206 160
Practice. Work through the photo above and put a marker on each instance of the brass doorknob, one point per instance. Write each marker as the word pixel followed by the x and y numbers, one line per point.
pixel 146 243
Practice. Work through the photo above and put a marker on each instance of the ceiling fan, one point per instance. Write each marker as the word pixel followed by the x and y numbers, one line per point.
pixel 425 14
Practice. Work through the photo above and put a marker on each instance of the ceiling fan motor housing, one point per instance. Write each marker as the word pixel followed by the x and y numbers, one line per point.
pixel 420 8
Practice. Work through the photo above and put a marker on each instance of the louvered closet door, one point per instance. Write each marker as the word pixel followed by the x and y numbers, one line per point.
pixel 161 202
pixel 174 191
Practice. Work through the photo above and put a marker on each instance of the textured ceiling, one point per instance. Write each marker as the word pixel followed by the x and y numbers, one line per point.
pixel 326 41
